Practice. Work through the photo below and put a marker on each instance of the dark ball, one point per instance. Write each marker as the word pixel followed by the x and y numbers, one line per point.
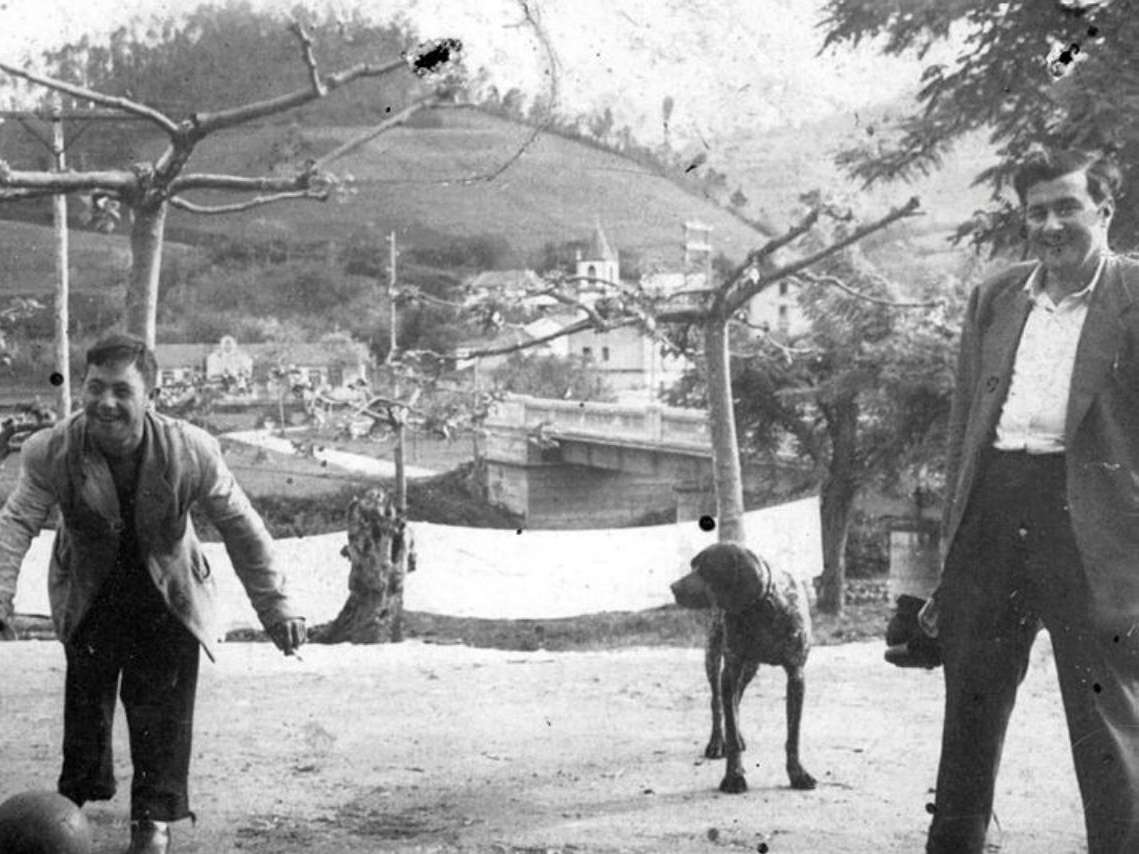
pixel 43 823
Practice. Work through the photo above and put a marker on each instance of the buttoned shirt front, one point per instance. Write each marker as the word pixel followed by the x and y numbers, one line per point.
pixel 1035 411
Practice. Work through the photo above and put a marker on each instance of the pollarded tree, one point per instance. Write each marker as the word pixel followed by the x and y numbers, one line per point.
pixel 1029 72
pixel 861 391
pixel 146 190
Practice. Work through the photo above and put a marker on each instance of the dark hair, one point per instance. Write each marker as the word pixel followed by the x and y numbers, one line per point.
pixel 120 349
pixel 1102 172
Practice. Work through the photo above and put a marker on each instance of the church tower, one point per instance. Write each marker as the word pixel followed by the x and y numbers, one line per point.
pixel 599 261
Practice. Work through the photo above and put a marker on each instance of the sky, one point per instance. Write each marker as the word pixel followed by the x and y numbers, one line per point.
pixel 726 65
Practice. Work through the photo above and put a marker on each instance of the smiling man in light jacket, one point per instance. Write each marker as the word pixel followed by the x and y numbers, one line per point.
pixel 131 592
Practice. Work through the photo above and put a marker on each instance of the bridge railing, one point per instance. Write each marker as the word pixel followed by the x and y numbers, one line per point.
pixel 651 423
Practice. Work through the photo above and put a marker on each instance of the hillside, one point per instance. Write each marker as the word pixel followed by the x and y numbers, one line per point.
pixel 96 261
pixel 774 167
pixel 423 183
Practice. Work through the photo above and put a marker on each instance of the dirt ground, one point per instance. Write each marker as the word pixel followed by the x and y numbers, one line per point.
pixel 445 748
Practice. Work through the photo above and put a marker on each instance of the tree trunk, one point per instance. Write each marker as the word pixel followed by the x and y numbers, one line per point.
pixel 146 265
pixel 726 473
pixel 381 552
pixel 837 501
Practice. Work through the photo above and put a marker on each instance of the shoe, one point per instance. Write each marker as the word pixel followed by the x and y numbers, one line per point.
pixel 149 837
pixel 919 652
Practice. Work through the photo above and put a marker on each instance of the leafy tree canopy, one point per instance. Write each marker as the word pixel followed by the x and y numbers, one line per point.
pixel 1030 72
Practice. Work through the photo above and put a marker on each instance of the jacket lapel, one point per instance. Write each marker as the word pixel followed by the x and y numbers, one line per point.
pixel 1009 310
pixel 95 486
pixel 1100 342
pixel 154 493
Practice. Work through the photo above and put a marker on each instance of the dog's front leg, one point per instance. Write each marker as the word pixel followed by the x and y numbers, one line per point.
pixel 731 686
pixel 796 691
pixel 713 661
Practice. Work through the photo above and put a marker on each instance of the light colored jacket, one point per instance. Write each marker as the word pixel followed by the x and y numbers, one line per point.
pixel 1101 430
pixel 182 466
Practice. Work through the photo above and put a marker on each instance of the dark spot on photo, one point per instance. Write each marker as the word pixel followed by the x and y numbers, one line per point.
pixel 432 55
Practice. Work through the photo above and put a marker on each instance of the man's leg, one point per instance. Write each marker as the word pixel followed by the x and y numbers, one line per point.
pixel 160 677
pixel 1099 681
pixel 986 656
pixel 89 710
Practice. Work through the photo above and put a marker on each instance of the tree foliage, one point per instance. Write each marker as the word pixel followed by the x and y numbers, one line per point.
pixel 1029 72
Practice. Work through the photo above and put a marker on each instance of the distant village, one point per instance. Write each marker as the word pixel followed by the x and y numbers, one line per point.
pixel 632 364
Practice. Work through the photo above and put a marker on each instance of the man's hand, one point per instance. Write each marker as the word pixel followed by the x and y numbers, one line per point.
pixel 288 635
pixel 909 639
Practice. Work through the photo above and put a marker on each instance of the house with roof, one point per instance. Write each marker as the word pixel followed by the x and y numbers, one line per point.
pixel 261 370
pixel 632 363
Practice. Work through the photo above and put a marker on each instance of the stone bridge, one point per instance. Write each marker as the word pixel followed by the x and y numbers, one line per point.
pixel 573 464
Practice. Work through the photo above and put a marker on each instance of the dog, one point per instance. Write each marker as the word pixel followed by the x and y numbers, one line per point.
pixel 760 616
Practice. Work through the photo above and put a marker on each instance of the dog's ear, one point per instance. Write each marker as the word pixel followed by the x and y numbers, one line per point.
pixel 732 573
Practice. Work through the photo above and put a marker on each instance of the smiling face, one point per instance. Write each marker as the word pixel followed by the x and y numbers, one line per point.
pixel 1066 227
pixel 114 400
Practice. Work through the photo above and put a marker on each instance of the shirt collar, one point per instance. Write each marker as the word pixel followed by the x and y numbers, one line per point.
pixel 1033 286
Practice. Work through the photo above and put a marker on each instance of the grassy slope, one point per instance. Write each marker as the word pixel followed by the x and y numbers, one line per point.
pixel 27 264
pixel 412 180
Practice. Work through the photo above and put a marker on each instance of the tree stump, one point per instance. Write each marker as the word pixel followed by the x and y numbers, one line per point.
pixel 381 551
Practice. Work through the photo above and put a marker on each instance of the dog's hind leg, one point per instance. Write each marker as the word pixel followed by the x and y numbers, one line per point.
pixel 796 690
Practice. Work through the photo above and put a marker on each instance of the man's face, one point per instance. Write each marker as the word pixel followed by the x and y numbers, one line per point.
pixel 114 399
pixel 1066 227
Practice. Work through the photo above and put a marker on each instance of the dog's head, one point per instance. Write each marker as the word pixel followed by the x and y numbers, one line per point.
pixel 724 575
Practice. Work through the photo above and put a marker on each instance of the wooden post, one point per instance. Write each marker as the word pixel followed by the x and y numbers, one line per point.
pixel 399 414
pixel 62 284
pixel 391 296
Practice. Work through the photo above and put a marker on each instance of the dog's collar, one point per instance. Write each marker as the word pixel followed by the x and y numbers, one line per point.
pixel 768 592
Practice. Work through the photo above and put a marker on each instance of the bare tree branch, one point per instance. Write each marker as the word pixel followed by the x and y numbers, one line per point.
pixel 755 257
pixel 305 39
pixel 67 182
pixel 210 122
pixel 765 333
pixel 835 282
pixel 579 326
pixel 238 183
pixel 125 104
pixel 387 124
pixel 740 295
pixel 529 19
pixel 237 207
pixel 596 320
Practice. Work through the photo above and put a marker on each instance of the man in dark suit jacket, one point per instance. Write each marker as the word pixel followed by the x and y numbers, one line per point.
pixel 1041 526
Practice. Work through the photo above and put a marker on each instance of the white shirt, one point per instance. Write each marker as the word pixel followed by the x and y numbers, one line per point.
pixel 1036 408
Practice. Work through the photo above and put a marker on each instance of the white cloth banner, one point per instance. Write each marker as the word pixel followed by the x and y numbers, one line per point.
pixel 497 574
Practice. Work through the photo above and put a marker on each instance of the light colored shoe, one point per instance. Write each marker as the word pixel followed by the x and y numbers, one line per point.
pixel 149 837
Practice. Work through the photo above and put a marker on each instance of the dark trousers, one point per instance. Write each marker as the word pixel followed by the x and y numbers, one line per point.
pixel 130 634
pixel 1014 567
